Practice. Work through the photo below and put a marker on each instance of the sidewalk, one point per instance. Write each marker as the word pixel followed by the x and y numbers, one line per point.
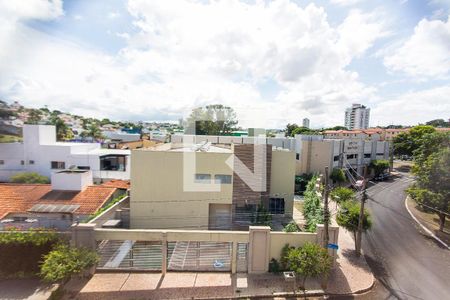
pixel 178 285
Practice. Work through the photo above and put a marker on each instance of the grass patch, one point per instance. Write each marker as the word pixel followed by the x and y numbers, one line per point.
pixel 5 138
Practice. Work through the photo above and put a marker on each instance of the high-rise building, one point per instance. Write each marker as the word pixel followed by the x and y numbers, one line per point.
pixel 357 117
pixel 306 122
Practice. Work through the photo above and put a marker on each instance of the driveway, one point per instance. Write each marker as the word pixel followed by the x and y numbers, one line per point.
pixel 31 289
pixel 406 261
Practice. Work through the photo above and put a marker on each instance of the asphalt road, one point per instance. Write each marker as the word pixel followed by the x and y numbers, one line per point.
pixel 407 263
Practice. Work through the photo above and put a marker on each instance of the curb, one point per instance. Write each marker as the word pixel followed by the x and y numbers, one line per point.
pixel 358 292
pixel 423 226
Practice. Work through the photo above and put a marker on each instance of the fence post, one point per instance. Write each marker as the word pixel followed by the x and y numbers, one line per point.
pixel 164 253
pixel 83 235
pixel 259 249
pixel 234 258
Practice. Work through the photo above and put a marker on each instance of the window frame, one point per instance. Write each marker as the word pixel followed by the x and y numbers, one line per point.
pixel 277 205
pixel 60 165
pixel 206 180
pixel 219 181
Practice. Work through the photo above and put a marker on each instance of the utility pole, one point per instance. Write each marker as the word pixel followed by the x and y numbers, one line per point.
pixel 361 214
pixel 326 213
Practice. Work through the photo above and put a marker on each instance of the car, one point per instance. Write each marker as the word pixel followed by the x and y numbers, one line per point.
pixel 382 177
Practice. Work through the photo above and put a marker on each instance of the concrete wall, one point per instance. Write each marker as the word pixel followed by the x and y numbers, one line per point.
pixel 282 179
pixel 71 181
pixel 158 195
pixel 297 239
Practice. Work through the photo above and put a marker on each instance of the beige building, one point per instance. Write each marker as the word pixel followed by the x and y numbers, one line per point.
pixel 209 186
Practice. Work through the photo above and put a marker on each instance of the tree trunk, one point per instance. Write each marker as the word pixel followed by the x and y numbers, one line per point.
pixel 441 222
pixel 354 237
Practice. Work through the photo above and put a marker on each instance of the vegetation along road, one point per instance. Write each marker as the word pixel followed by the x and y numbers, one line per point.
pixel 407 262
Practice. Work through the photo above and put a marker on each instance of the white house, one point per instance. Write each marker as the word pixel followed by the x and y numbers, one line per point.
pixel 40 152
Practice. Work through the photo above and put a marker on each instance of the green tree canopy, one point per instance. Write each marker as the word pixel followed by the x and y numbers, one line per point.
pixel 215 119
pixel 342 194
pixel 63 132
pixel 92 131
pixel 338 175
pixel 34 116
pixel 407 142
pixel 379 166
pixel 29 177
pixel 438 123
pixel 348 217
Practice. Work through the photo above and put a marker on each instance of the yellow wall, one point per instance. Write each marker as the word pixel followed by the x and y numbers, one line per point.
pixel 158 197
pixel 315 156
pixel 282 177
pixel 296 239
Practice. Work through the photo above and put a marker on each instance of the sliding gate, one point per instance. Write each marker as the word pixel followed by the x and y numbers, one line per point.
pixel 181 256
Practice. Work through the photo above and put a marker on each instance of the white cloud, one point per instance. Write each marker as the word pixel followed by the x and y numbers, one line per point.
pixel 188 53
pixel 346 2
pixel 426 53
pixel 113 15
pixel 413 107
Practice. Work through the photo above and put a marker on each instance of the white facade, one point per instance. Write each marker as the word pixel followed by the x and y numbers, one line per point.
pixel 305 122
pixel 357 117
pixel 40 152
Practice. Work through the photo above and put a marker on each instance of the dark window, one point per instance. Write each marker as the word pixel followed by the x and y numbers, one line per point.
pixel 202 178
pixel 297 156
pixel 276 205
pixel 350 156
pixel 58 165
pixel 380 154
pixel 31 162
pixel 2 162
pixel 83 167
pixel 22 162
pixel 336 158
pixel 222 179
pixel 367 155
pixel 112 163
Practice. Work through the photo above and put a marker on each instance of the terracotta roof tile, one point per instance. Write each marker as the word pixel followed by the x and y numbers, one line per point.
pixel 19 198
pixel 117 183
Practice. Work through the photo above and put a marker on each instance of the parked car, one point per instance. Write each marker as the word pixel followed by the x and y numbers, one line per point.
pixel 382 177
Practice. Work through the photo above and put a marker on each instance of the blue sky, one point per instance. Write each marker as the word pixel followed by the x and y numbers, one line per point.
pixel 274 62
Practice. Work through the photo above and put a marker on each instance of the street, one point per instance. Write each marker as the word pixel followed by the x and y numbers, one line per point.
pixel 407 263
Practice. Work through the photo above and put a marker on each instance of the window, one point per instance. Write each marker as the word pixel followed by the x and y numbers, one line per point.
pixel 276 205
pixel 202 178
pixel 350 156
pixel 19 219
pixel 222 179
pixel 22 162
pixel 380 154
pixel 367 155
pixel 113 163
pixel 31 162
pixel 58 165
pixel 2 162
pixel 297 156
pixel 83 167
pixel 336 158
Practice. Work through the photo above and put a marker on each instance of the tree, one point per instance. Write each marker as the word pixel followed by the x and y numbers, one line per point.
pixel 215 119
pixel 30 177
pixel 338 176
pixel 337 128
pixel 291 227
pixel 92 131
pixel 290 128
pixel 34 116
pixel 311 260
pixel 312 209
pixel 304 130
pixel 432 189
pixel 379 166
pixel 438 123
pixel 261 217
pixel 407 142
pixel 348 217
pixel 63 132
pixel 342 194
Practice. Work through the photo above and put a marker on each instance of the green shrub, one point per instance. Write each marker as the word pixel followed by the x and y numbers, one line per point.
pixel 284 257
pixel 342 194
pixel 274 266
pixel 338 175
pixel 29 177
pixel 104 208
pixel 311 260
pixel 379 166
pixel 64 261
pixel 348 217
pixel 22 251
pixel 312 209
pixel 291 227
pixel 262 217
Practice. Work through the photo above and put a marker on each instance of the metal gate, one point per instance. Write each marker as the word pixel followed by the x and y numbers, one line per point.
pixel 242 257
pixel 199 256
pixel 126 255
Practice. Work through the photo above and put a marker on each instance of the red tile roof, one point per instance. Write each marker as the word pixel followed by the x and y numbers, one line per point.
pixel 19 198
pixel 120 184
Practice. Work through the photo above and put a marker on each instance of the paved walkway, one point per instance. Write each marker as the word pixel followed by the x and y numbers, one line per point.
pixel 31 289
pixel 181 286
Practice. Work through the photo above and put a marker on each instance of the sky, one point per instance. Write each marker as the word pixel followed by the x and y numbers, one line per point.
pixel 273 62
